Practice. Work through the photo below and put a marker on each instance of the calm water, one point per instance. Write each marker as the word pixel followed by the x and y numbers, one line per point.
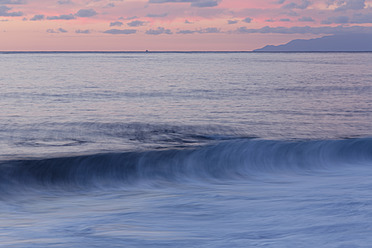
pixel 185 150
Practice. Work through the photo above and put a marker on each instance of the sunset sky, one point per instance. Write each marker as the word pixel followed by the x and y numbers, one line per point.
pixel 137 25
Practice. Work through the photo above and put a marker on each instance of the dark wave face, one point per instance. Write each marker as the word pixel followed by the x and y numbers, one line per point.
pixel 239 159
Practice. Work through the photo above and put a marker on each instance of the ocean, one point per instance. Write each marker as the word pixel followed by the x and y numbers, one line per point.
pixel 185 149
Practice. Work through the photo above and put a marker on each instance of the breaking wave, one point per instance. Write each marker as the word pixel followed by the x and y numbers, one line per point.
pixel 238 159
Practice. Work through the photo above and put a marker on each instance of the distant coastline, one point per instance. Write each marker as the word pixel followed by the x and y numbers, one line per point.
pixel 333 43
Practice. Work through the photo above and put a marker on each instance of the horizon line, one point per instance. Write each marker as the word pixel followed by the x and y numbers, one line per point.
pixel 173 51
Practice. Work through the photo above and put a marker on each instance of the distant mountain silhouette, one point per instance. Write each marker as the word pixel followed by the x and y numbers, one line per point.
pixel 333 43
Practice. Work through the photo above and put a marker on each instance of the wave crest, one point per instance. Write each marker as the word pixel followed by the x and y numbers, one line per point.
pixel 232 159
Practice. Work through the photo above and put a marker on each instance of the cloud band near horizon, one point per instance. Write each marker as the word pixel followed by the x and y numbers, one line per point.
pixel 194 18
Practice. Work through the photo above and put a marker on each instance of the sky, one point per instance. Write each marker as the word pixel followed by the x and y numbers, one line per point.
pixel 174 25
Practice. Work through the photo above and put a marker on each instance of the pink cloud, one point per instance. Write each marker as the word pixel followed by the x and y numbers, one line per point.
pixel 168 21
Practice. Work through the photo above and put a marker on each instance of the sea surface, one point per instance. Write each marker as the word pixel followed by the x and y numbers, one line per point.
pixel 186 150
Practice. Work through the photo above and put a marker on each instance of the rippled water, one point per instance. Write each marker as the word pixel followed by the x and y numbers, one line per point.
pixel 185 149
